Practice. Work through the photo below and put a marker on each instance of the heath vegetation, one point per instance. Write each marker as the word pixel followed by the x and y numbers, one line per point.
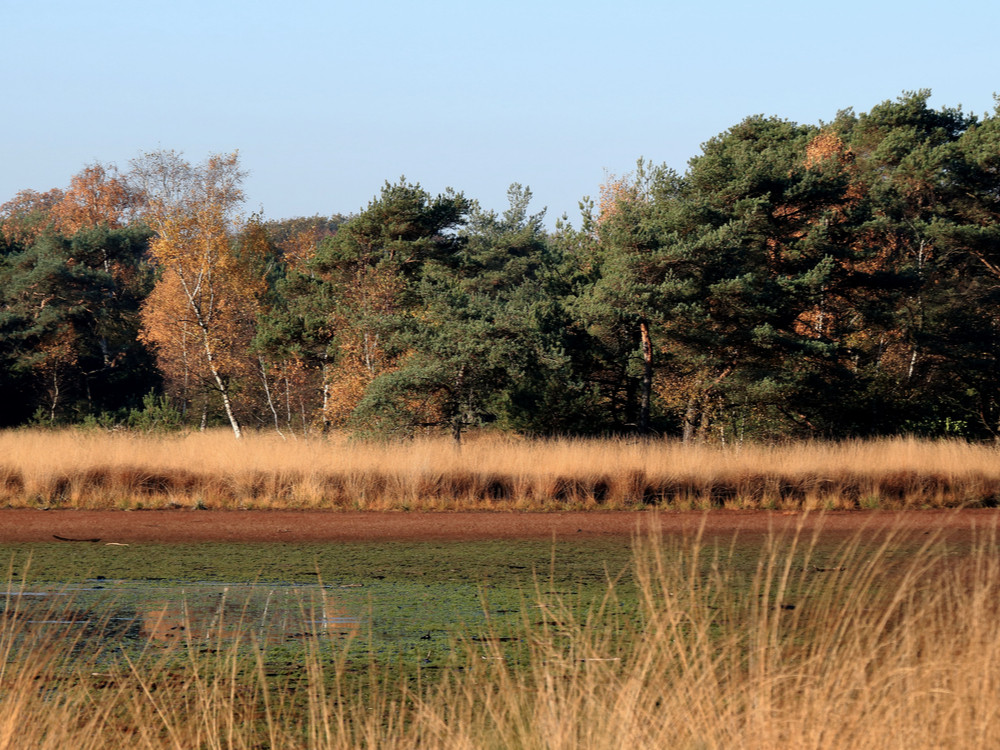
pixel 99 469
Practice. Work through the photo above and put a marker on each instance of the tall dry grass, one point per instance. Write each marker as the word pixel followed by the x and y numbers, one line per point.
pixel 868 651
pixel 99 470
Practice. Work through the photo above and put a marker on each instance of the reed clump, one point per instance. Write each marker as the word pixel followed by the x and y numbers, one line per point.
pixel 113 470
pixel 867 650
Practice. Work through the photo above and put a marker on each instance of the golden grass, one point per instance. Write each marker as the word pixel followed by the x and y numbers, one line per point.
pixel 116 470
pixel 848 657
pixel 869 652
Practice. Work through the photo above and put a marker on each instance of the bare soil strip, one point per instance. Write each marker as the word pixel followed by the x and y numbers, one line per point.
pixel 188 526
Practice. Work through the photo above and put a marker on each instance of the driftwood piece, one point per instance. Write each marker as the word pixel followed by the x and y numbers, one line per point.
pixel 67 539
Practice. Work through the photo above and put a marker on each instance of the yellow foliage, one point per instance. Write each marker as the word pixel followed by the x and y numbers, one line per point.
pixel 205 283
pixel 616 192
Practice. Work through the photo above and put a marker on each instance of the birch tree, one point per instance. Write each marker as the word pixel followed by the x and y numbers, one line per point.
pixel 210 287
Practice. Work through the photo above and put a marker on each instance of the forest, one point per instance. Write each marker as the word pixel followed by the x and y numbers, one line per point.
pixel 832 280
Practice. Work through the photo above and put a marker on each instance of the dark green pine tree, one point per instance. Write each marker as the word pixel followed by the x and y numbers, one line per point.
pixel 901 298
pixel 963 292
pixel 621 302
pixel 340 311
pixel 745 259
pixel 69 322
pixel 477 336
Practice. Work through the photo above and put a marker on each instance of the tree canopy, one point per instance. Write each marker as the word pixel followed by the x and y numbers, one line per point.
pixel 828 280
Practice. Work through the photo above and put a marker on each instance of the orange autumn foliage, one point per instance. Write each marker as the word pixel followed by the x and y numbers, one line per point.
pixel 96 196
pixel 27 215
pixel 361 351
pixel 205 284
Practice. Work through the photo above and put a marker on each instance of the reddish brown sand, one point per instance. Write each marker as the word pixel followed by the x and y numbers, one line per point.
pixel 318 526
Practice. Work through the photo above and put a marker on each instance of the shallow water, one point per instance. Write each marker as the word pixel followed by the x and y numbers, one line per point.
pixel 103 613
pixel 391 600
pixel 385 620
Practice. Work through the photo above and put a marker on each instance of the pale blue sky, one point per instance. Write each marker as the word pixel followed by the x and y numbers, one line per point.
pixel 328 100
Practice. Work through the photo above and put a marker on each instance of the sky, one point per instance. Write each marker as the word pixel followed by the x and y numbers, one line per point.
pixel 326 101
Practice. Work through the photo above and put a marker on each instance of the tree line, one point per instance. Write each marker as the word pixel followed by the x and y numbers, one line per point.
pixel 829 280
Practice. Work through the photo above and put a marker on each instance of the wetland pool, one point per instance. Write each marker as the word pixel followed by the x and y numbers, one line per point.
pixel 385 601
pixel 388 602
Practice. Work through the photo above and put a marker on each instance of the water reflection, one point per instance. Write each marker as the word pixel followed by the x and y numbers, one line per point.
pixel 106 612
pixel 227 615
